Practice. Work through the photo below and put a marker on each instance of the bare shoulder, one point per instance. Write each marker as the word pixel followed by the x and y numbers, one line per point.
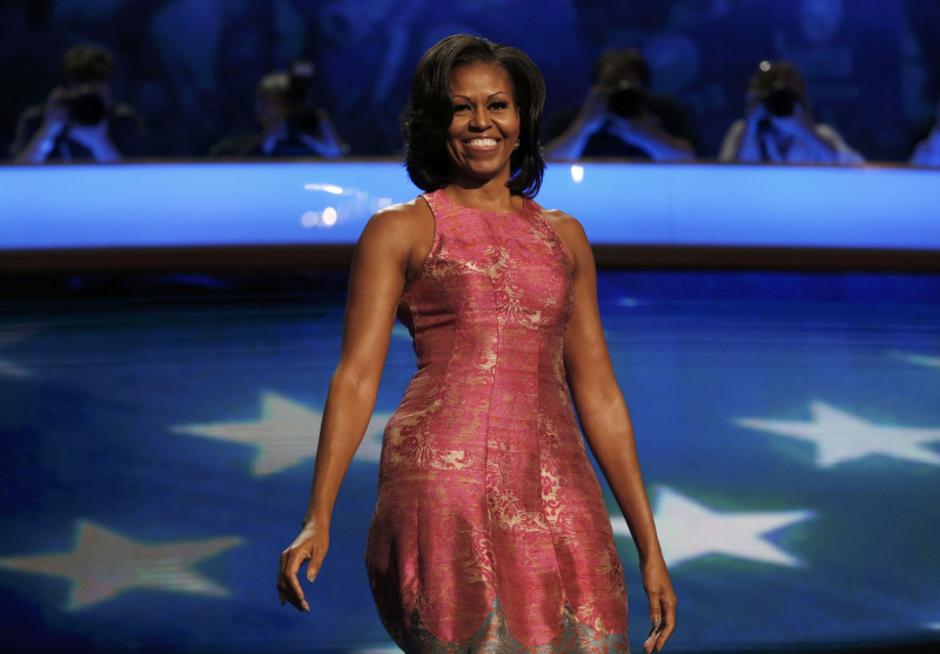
pixel 401 233
pixel 569 229
pixel 400 216
pixel 401 223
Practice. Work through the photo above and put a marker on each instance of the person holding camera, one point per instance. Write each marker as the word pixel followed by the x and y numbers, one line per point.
pixel 621 117
pixel 291 123
pixel 779 126
pixel 79 121
pixel 927 151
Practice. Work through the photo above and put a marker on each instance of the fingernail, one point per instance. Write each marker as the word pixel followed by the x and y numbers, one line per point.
pixel 306 606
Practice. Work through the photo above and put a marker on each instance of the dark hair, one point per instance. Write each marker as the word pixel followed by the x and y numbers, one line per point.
pixel 86 63
pixel 629 57
pixel 776 72
pixel 430 111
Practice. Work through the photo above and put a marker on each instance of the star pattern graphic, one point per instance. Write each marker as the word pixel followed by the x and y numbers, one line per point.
pixel 401 331
pixel 922 360
pixel 286 434
pixel 104 564
pixel 11 336
pixel 840 436
pixel 688 530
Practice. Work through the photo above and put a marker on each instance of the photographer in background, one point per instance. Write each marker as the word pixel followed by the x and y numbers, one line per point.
pixel 927 151
pixel 291 124
pixel 779 125
pixel 621 117
pixel 79 121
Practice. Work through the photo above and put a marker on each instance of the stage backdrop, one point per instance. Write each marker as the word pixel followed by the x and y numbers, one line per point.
pixel 158 449
pixel 191 65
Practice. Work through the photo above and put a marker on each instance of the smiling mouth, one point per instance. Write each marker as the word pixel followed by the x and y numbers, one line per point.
pixel 482 143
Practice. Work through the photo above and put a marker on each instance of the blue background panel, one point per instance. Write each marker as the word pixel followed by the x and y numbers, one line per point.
pixel 194 204
pixel 158 454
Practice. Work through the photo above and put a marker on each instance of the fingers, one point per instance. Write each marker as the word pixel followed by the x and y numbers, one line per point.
pixel 655 630
pixel 288 585
pixel 662 619
pixel 312 570
pixel 668 625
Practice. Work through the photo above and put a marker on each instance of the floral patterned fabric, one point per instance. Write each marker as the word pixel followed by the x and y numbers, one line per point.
pixel 490 532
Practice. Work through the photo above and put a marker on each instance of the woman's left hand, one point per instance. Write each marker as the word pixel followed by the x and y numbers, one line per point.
pixel 662 600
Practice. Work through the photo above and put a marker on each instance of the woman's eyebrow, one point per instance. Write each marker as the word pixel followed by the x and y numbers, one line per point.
pixel 467 97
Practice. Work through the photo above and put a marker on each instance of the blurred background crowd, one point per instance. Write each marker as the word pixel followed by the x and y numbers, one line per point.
pixel 808 81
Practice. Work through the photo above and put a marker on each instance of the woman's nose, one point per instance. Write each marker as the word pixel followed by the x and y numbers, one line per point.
pixel 480 119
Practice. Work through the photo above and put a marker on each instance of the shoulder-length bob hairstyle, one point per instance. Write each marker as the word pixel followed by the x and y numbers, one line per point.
pixel 430 111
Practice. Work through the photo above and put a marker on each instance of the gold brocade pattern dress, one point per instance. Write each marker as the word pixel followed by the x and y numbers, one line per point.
pixel 490 533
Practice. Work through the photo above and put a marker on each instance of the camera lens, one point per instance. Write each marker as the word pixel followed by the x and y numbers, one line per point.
pixel 781 101
pixel 85 105
pixel 626 100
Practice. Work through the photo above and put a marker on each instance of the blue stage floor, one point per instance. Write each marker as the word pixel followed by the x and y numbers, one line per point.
pixel 158 440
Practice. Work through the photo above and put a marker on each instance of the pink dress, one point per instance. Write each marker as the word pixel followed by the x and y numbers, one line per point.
pixel 490 532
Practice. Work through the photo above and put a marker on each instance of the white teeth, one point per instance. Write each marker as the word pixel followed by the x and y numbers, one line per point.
pixel 482 142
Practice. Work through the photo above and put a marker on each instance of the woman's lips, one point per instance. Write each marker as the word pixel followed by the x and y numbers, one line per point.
pixel 486 144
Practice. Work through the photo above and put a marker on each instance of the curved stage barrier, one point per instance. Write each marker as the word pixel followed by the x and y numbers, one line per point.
pixel 310 213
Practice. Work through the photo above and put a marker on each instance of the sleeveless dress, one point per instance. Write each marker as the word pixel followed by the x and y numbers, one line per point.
pixel 490 533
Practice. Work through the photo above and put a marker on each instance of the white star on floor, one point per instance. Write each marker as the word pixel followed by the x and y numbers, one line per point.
pixel 390 649
pixel 104 564
pixel 921 359
pixel 286 434
pixel 840 436
pixel 10 336
pixel 399 330
pixel 628 301
pixel 688 530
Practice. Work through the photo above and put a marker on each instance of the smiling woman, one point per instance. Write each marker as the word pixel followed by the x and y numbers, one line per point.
pixel 467 88
pixel 485 128
pixel 490 532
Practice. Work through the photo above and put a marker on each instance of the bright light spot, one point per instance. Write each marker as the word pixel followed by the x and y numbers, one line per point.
pixel 577 173
pixel 329 216
pixel 326 188
pixel 764 65
pixel 310 219
pixel 385 202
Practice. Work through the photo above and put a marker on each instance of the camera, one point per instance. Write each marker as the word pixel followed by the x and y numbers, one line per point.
pixel 302 115
pixel 627 100
pixel 781 100
pixel 84 105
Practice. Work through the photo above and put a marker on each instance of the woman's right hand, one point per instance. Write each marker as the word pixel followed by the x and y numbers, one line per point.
pixel 311 543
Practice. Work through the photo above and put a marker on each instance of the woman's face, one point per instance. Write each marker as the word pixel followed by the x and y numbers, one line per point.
pixel 485 126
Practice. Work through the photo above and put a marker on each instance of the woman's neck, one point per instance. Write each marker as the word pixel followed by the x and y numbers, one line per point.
pixel 492 195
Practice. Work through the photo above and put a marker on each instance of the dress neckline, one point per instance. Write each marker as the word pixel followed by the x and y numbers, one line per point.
pixel 526 205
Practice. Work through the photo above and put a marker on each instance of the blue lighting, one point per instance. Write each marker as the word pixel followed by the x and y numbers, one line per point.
pixel 201 204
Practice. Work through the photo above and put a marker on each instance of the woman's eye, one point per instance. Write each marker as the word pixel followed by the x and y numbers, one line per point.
pixel 461 107
pixel 499 105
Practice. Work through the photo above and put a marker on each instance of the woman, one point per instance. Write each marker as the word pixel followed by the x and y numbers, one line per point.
pixel 490 531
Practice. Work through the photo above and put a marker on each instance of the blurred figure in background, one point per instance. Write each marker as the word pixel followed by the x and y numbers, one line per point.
pixel 621 117
pixel 927 152
pixel 79 121
pixel 291 124
pixel 779 126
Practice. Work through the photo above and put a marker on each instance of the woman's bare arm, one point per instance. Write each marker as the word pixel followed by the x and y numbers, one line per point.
pixel 605 420
pixel 598 399
pixel 377 276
